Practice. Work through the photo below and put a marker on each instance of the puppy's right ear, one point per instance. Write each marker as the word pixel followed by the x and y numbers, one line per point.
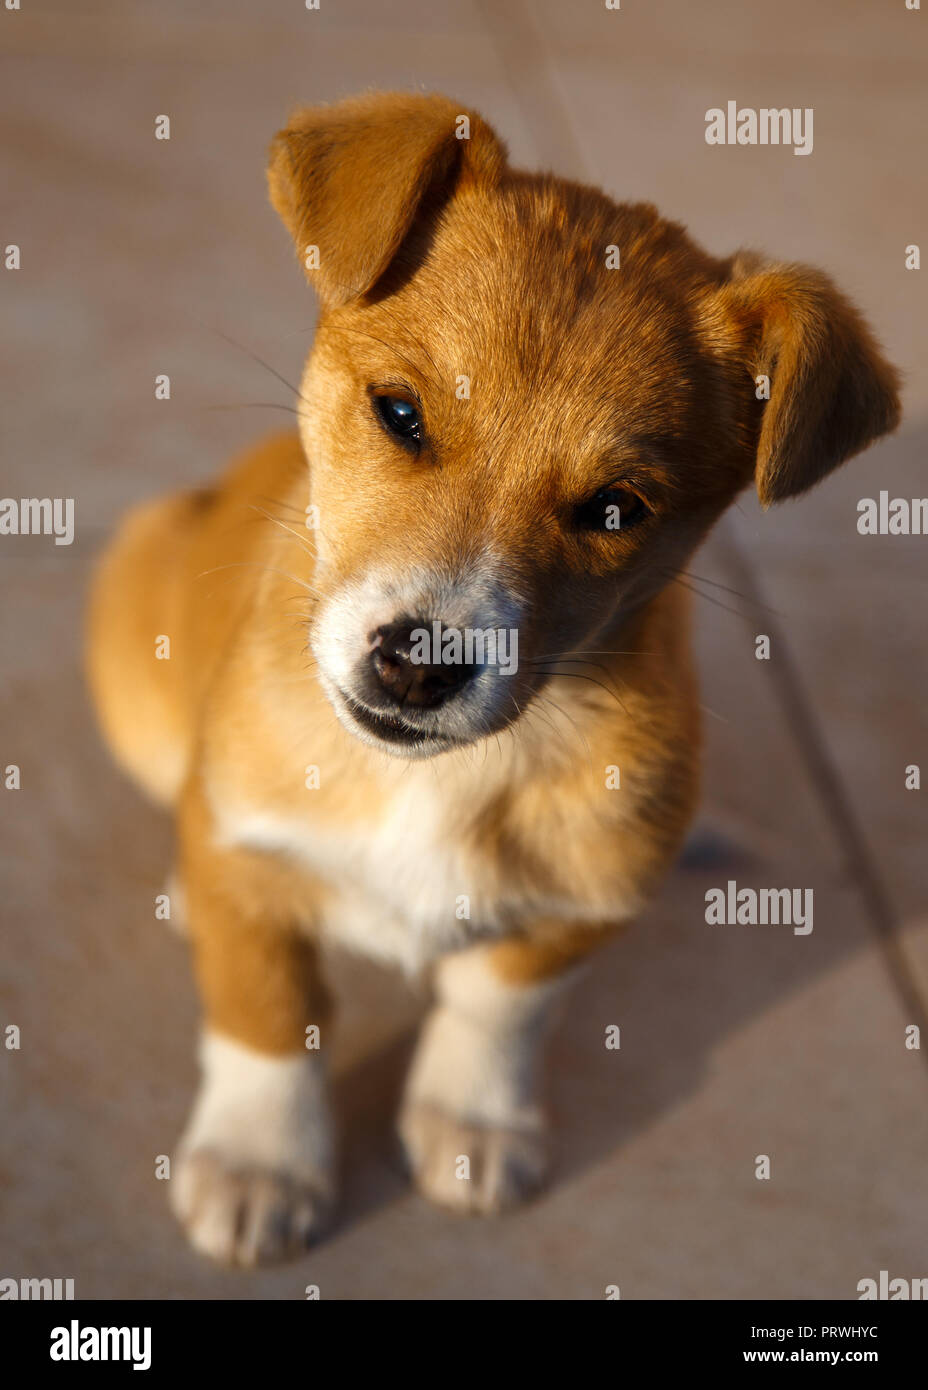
pixel 347 180
pixel 832 392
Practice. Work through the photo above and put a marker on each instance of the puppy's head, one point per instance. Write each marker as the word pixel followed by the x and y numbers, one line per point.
pixel 525 406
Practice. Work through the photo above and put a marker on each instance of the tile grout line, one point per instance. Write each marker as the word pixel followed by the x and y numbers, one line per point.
pixel 828 783
pixel 525 62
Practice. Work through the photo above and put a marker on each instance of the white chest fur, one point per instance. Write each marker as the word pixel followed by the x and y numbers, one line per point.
pixel 403 885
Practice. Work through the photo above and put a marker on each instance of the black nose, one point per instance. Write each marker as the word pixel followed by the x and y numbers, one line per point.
pixel 397 659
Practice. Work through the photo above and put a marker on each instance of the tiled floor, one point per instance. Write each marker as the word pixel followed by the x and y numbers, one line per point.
pixel 735 1042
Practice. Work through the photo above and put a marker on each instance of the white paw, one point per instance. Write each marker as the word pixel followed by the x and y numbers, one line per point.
pixel 472 1168
pixel 472 1123
pixel 246 1217
pixel 254 1178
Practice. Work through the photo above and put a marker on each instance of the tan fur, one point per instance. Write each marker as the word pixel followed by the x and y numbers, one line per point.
pixel 437 261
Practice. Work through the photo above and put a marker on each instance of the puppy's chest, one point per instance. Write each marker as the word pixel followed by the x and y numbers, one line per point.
pixel 407 883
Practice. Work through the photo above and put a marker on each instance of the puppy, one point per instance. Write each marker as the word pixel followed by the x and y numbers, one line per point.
pixel 524 408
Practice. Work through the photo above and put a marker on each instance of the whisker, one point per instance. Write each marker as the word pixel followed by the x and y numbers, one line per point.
pixel 591 651
pixel 708 597
pixel 546 699
pixel 253 405
pixel 716 585
pixel 238 564
pixel 304 545
pixel 571 661
pixel 579 661
pixel 278 502
pixel 261 363
pixel 535 708
pixel 580 676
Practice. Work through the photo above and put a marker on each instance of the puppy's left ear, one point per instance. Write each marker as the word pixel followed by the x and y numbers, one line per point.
pixel 349 180
pixel 831 390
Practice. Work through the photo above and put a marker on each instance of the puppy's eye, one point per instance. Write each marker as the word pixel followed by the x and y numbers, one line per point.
pixel 399 418
pixel 612 509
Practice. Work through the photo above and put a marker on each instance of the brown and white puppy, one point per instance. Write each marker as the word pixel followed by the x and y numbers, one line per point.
pixel 524 408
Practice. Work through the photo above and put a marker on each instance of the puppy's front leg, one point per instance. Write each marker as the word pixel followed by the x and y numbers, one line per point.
pixel 254 1179
pixel 475 1089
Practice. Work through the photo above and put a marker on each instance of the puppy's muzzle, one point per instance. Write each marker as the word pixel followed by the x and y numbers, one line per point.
pixel 410 682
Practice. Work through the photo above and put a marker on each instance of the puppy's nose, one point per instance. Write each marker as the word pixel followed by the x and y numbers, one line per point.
pixel 412 681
